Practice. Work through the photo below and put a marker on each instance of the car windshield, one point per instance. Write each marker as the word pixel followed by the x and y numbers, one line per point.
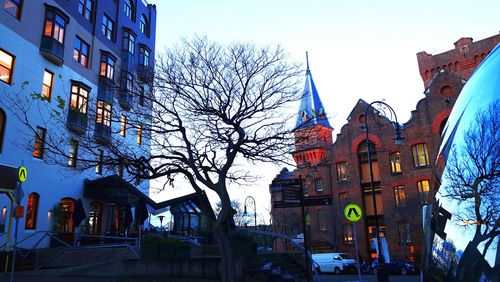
pixel 345 256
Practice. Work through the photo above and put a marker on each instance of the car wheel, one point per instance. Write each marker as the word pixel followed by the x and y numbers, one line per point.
pixel 336 270
pixel 403 271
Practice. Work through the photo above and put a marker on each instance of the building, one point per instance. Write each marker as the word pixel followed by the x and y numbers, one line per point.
pixel 402 174
pixel 87 63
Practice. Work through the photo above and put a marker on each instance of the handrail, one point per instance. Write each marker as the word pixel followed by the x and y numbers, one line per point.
pixel 286 237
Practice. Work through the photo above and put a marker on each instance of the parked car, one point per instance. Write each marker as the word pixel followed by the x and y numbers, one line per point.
pixel 335 262
pixel 396 266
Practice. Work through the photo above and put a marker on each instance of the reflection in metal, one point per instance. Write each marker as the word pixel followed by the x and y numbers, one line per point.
pixel 462 226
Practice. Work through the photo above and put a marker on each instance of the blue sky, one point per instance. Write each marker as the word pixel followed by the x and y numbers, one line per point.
pixel 357 48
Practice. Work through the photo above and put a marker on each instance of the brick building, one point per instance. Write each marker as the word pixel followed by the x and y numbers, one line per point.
pixel 402 174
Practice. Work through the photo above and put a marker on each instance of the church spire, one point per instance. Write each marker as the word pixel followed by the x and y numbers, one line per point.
pixel 311 110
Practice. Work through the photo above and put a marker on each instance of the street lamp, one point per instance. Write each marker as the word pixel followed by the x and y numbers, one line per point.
pixel 383 111
pixel 254 209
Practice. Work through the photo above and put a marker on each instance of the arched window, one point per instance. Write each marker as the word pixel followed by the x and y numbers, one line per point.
pixel 95 218
pixel 143 25
pixel 3 119
pixel 128 9
pixel 32 211
pixel 67 206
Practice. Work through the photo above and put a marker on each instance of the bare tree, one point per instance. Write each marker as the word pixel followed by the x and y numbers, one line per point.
pixel 472 177
pixel 214 108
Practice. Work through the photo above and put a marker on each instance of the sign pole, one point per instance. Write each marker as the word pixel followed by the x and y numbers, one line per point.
pixel 14 252
pixel 355 233
pixel 304 229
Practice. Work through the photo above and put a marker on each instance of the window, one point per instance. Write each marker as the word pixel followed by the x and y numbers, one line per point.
pixel 144 56
pixel 372 230
pixel 369 205
pixel 66 218
pixel 123 125
pixel 6 66
pixel 342 171
pixel 128 41
pixel 139 134
pixel 348 234
pixel 404 232
pixel 95 218
pixel 81 52
pixel 2 127
pixel 107 27
pixel 143 25
pixel 322 226
pixel 400 196
pixel 420 155
pixel 318 184
pixel 395 162
pixel 343 200
pixel 103 113
pixel 54 26
pixel 48 79
pixel 31 211
pixel 39 142
pixel 142 96
pixel 13 7
pixel 85 8
pixel 73 153
pixel 127 81
pixel 107 65
pixel 423 191
pixel 79 97
pixel 128 9
pixel 100 159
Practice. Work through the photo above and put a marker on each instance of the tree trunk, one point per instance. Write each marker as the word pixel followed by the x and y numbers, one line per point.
pixel 222 230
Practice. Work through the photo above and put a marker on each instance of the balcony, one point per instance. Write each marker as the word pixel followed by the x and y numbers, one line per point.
pixel 52 50
pixel 102 133
pixel 77 122
pixel 105 90
pixel 126 99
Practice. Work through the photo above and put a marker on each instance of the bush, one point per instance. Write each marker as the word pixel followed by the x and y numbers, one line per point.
pixel 164 248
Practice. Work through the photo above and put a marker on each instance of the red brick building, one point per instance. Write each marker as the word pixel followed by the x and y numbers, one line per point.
pixel 402 174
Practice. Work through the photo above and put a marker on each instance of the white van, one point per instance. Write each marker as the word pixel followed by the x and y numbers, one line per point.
pixel 335 262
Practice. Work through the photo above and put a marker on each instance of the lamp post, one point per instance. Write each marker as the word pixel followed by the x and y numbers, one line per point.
pixel 254 209
pixel 161 217
pixel 385 111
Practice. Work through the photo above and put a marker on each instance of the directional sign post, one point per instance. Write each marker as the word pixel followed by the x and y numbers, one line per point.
pixel 353 213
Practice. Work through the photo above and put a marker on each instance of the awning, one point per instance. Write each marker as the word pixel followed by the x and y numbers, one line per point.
pixel 113 189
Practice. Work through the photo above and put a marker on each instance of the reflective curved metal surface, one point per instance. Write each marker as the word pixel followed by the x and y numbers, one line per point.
pixel 461 227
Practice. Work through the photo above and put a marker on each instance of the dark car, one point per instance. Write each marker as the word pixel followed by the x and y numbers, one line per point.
pixel 397 266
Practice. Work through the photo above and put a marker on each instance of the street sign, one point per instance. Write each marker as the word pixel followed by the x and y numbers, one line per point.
pixel 8 179
pixel 291 195
pixel 353 212
pixel 318 201
pixel 279 205
pixel 19 212
pixel 286 182
pixel 22 173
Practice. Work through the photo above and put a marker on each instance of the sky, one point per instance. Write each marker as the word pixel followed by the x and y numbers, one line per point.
pixel 358 49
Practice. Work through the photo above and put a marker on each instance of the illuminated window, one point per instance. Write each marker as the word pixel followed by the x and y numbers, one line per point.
pixel 318 184
pixel 6 66
pixel 54 26
pixel 420 155
pixel 31 211
pixel 103 115
pixel 95 218
pixel 65 219
pixel 395 162
pixel 13 7
pixel 108 27
pixel 123 125
pixel 348 234
pixel 423 188
pixel 100 159
pixel 85 8
pixel 81 52
pixel 39 142
pixel 128 41
pixel 73 153
pixel 48 80
pixel 400 196
pixel 143 25
pixel 107 65
pixel 139 134
pixel 342 171
pixel 79 98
